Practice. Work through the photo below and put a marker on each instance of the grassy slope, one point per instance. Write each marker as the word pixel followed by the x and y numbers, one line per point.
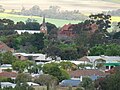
pixel 16 18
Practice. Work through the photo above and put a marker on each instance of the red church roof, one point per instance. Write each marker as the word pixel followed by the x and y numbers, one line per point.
pixel 66 27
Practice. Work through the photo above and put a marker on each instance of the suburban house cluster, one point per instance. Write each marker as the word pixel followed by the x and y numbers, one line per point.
pixel 109 62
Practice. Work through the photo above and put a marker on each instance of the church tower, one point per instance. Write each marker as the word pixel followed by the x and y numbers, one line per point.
pixel 43 28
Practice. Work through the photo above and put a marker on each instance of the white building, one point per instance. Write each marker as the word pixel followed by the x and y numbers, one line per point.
pixel 38 58
pixel 28 31
pixel 7 84
pixel 5 66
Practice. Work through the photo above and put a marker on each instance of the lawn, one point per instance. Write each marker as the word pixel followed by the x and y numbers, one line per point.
pixel 17 18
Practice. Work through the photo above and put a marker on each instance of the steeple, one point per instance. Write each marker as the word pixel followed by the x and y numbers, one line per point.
pixel 43 28
pixel 44 21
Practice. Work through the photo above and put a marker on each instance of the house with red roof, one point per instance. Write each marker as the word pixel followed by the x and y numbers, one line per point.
pixel 11 75
pixel 92 73
pixel 5 48
pixel 66 31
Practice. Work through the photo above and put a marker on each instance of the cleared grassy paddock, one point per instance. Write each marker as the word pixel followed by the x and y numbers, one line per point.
pixel 57 22
pixel 17 18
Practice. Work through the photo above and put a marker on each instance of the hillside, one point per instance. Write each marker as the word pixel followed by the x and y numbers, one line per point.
pixel 81 5
pixel 17 18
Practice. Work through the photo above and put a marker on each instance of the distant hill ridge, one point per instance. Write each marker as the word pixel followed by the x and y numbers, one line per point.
pixel 114 1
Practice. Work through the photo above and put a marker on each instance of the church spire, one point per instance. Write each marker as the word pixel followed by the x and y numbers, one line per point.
pixel 44 21
pixel 43 28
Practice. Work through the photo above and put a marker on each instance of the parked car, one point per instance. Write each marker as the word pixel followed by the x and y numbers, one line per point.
pixel 73 83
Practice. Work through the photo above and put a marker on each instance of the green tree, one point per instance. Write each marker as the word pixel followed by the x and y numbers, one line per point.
pixel 21 65
pixel 22 78
pixel 48 80
pixel 111 82
pixel 53 52
pixel 108 49
pixel 53 69
pixel 97 50
pixel 68 66
pixel 69 54
pixel 87 83
pixel 7 58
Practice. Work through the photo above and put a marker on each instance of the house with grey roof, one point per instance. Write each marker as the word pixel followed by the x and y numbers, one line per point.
pixel 101 59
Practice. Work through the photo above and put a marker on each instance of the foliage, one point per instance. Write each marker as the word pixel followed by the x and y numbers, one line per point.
pixel 53 12
pixel 21 66
pixel 110 50
pixel 53 69
pixel 48 80
pixel 79 88
pixel 66 65
pixel 116 35
pixel 100 63
pixel 4 79
pixel 53 52
pixel 110 82
pixel 7 58
pixel 69 54
pixel 26 42
pixel 87 83
pixel 83 66
pixel 22 78
pixel 35 69
pixel 23 86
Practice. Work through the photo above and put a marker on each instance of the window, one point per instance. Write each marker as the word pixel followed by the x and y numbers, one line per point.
pixel 107 67
pixel 111 67
pixel 19 57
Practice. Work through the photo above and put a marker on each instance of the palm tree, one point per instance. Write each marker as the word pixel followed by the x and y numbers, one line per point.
pixel 99 63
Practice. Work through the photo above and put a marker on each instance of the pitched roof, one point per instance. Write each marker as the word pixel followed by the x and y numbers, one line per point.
pixel 4 46
pixel 8 74
pixel 66 27
pixel 107 58
pixel 84 59
pixel 89 72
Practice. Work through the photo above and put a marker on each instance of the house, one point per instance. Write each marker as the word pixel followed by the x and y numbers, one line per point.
pixel 7 84
pixel 32 84
pixel 5 48
pixel 11 75
pixel 110 66
pixel 27 31
pixel 3 67
pixel 73 83
pixel 43 29
pixel 98 59
pixel 39 58
pixel 66 31
pixel 92 73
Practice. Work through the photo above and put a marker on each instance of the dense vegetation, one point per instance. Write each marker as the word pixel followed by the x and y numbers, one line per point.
pixel 114 12
pixel 53 12
pixel 86 38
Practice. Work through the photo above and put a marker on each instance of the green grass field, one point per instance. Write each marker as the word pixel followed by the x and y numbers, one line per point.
pixel 57 22
pixel 17 18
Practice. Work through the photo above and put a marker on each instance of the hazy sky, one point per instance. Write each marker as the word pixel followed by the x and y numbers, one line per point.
pixel 82 5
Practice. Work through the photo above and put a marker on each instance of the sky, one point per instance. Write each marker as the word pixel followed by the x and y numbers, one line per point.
pixel 81 5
